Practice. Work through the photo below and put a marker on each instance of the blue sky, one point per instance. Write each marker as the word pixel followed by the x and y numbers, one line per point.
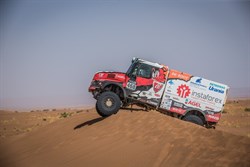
pixel 49 50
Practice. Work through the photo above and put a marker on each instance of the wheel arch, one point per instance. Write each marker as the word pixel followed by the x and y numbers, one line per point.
pixel 116 88
pixel 197 112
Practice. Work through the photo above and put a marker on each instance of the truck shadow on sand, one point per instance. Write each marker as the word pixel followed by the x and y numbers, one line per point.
pixel 90 122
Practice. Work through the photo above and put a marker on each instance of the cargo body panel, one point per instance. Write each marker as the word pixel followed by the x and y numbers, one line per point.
pixel 185 92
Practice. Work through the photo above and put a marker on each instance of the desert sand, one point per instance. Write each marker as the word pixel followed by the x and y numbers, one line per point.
pixel 137 138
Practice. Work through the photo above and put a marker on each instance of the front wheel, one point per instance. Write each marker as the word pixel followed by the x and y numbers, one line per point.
pixel 194 119
pixel 108 103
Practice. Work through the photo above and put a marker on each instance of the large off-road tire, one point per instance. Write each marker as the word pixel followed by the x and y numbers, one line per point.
pixel 194 119
pixel 108 103
pixel 98 111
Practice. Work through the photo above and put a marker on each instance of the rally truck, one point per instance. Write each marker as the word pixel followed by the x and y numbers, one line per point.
pixel 156 86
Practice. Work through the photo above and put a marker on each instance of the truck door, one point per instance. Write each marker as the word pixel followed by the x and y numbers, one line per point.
pixel 146 83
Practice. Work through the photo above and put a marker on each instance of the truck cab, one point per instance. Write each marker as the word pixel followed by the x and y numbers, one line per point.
pixel 142 84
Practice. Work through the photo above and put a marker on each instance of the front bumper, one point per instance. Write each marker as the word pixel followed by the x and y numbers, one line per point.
pixel 95 88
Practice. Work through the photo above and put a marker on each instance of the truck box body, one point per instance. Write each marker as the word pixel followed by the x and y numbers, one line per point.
pixel 185 92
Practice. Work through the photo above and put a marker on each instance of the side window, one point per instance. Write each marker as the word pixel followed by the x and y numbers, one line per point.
pixel 145 71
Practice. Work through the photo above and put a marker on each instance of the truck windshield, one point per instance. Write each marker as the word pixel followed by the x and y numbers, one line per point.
pixel 131 68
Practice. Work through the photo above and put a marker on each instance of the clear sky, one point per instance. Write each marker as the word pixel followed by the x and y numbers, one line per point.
pixel 50 49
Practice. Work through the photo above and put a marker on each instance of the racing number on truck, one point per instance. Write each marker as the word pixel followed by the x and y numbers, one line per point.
pixel 131 85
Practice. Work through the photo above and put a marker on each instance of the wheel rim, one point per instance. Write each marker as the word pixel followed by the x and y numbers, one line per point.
pixel 109 102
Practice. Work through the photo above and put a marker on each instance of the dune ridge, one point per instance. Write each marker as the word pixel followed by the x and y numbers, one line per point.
pixel 135 138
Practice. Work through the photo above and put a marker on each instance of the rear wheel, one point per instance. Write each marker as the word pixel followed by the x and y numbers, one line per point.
pixel 194 119
pixel 108 103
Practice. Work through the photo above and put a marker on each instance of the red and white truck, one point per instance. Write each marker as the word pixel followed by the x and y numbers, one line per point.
pixel 155 86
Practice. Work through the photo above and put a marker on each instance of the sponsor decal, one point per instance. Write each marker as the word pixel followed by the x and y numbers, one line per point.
pixel 167 96
pixel 171 82
pixel 175 98
pixel 209 108
pixel 183 91
pixel 198 83
pixel 155 73
pixel 206 97
pixel 216 88
pixel 177 110
pixel 166 104
pixel 157 87
pixel 176 104
pixel 192 103
pixel 131 85
pixel 179 75
pixel 213 117
pixel 101 75
pixel 157 95
pixel 120 76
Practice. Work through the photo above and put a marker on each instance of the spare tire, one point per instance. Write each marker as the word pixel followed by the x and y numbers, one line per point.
pixel 194 119
pixel 108 103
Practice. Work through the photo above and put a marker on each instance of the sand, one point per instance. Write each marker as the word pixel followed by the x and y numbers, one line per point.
pixel 135 138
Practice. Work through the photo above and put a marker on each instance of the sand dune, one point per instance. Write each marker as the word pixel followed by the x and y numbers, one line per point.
pixel 135 138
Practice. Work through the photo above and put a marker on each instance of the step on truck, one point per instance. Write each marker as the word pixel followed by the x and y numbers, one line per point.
pixel 155 86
